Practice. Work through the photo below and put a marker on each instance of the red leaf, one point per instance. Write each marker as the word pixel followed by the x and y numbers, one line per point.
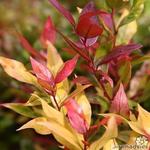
pixel 88 42
pixel 49 33
pixel 63 11
pixel 81 80
pixel 70 51
pixel 120 51
pixel 120 102
pixel 29 48
pixel 44 76
pixel 76 116
pixel 104 77
pixel 88 26
pixel 74 46
pixel 87 9
pixel 107 19
pixel 66 70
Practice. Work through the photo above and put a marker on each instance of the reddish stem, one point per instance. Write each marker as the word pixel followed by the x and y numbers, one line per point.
pixel 114 26
pixel 54 98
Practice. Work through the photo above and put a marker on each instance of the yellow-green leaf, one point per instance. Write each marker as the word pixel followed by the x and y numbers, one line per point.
pixel 35 124
pixel 142 125
pixel 134 13
pixel 110 133
pixel 126 33
pixel 54 61
pixel 22 109
pixel 111 145
pixel 75 93
pixel 17 70
pixel 63 135
pixel 34 99
pixel 85 105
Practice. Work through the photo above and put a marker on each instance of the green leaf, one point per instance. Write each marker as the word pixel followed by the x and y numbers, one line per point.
pixel 125 72
pixel 136 10
pixel 22 109
pixel 141 59
pixel 34 99
pixel 126 33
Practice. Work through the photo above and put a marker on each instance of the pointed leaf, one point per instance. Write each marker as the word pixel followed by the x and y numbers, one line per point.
pixel 17 70
pixel 35 124
pixel 58 125
pixel 62 135
pixel 106 19
pixel 54 63
pixel 34 101
pixel 120 51
pixel 75 47
pixel 50 112
pixel 75 93
pixel 22 109
pixel 120 102
pixel 45 78
pixel 76 116
pixel 110 133
pixel 49 33
pixel 54 60
pixel 84 104
pixel 30 49
pixel 88 27
pixel 111 145
pixel 66 70
pixel 81 80
pixel 63 11
pixel 142 125
pixel 125 72
pixel 135 12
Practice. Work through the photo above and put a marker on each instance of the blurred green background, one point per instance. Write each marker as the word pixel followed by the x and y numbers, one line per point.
pixel 28 17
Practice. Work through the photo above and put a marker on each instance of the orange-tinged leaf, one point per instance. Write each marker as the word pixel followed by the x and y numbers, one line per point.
pixel 17 70
pixel 35 124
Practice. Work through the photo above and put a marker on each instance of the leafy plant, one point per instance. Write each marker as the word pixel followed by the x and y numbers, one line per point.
pixel 67 108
